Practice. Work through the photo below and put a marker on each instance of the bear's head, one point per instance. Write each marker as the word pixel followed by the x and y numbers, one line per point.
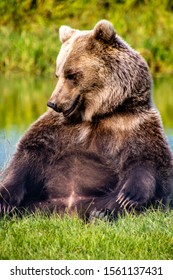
pixel 99 74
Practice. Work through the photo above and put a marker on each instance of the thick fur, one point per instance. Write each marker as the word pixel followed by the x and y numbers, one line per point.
pixel 101 145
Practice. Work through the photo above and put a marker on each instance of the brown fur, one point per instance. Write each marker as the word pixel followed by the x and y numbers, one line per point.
pixel 103 146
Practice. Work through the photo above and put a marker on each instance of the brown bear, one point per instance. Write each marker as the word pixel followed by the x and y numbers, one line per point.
pixel 100 148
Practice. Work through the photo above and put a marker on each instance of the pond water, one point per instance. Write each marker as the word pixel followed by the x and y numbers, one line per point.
pixel 23 99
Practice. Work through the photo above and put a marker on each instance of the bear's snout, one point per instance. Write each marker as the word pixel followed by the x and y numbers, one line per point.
pixel 67 108
pixel 54 106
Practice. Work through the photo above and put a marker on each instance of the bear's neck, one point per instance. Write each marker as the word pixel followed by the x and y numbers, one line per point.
pixel 132 106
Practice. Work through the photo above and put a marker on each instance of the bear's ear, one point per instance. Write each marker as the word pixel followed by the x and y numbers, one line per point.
pixel 65 33
pixel 104 31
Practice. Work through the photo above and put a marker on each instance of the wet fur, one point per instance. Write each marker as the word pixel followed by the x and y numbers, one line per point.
pixel 110 153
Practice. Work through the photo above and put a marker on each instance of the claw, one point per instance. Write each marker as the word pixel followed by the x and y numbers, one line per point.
pixel 126 202
pixel 3 209
pixel 8 209
pixel 134 204
pixel 119 198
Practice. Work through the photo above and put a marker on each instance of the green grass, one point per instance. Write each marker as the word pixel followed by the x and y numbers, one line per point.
pixel 147 236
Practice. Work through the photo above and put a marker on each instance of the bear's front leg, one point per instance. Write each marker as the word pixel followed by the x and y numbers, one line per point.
pixel 12 191
pixel 13 184
pixel 135 191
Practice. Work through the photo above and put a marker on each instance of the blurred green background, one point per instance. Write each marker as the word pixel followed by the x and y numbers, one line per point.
pixel 29 46
pixel 29 30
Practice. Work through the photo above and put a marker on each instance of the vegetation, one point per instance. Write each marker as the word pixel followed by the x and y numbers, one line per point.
pixel 23 100
pixel 163 90
pixel 148 236
pixel 29 28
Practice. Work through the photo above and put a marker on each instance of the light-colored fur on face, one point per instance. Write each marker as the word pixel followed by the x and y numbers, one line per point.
pixel 109 72
pixel 65 91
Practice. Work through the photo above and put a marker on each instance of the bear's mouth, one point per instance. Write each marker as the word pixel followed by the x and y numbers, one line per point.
pixel 72 107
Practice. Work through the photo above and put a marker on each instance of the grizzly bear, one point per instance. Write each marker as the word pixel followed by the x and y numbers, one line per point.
pixel 100 148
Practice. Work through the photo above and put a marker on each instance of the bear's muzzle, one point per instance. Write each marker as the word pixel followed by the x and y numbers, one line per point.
pixel 66 110
pixel 54 106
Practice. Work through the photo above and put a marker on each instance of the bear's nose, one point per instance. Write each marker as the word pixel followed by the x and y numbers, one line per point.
pixel 51 105
pixel 54 106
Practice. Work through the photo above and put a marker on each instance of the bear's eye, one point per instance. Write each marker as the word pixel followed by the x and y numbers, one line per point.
pixel 73 76
pixel 70 76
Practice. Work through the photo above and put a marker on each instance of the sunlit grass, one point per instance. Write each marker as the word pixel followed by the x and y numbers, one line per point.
pixel 148 236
